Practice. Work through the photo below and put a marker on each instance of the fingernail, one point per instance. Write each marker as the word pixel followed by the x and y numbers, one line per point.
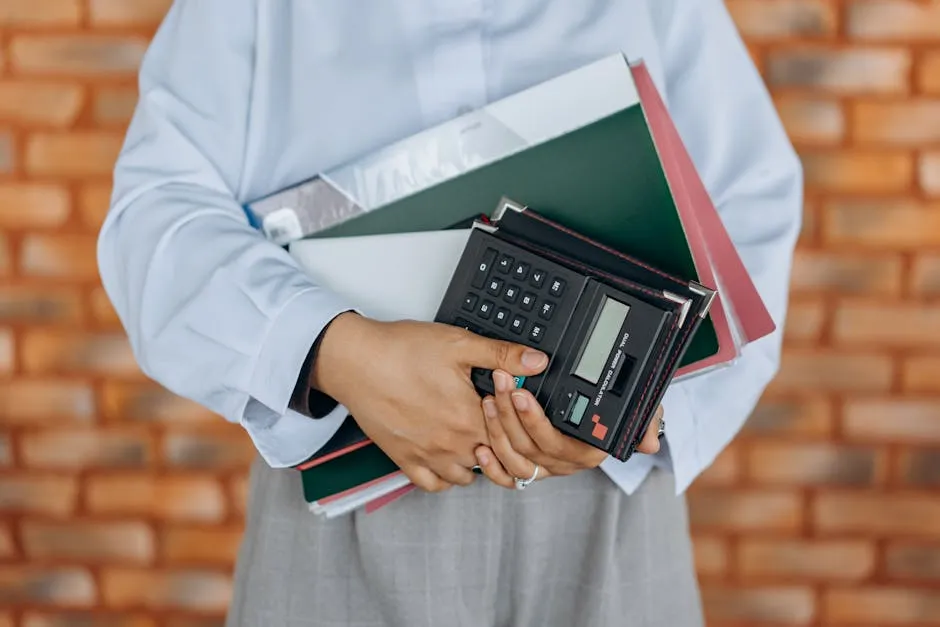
pixel 520 402
pixel 483 458
pixel 533 358
pixel 489 408
pixel 502 381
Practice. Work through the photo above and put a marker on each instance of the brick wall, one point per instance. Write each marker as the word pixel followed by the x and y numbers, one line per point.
pixel 120 505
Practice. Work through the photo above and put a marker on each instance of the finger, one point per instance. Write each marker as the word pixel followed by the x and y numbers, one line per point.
pixel 492 468
pixel 519 438
pixel 481 352
pixel 456 474
pixel 650 444
pixel 425 479
pixel 514 463
pixel 571 453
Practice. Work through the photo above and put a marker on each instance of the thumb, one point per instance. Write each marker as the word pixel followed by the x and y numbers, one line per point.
pixel 494 354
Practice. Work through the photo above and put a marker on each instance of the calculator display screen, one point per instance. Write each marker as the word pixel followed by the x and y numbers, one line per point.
pixel 601 341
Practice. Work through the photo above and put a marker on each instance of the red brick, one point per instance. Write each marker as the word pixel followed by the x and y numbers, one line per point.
pixel 7 352
pixel 929 173
pixel 40 12
pixel 94 203
pixel 929 73
pixel 858 172
pixel 882 606
pixel 903 21
pixel 87 448
pixel 89 542
pixel 33 205
pixel 921 467
pixel 59 586
pixel 148 402
pixel 49 401
pixel 215 449
pixel 201 545
pixel 194 590
pixel 711 556
pixel 920 374
pixel 115 105
pixel 39 304
pixel 73 155
pixel 167 498
pixel 805 321
pixel 745 510
pixel 810 120
pixel 913 561
pixel 87 619
pixel 809 226
pixel 60 255
pixel 7 548
pixel 61 352
pixel 33 103
pixel 898 225
pixel 806 559
pixel 38 494
pixel 896 420
pixel 877 514
pixel 800 417
pixel 786 463
pixel 238 493
pixel 925 275
pixel 778 605
pixel 815 271
pixel 6 451
pixel 887 325
pixel 908 123
pixel 121 12
pixel 91 55
pixel 804 370
pixel 840 71
pixel 782 19
pixel 103 311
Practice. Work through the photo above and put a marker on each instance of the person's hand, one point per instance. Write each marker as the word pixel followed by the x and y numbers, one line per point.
pixel 522 436
pixel 407 384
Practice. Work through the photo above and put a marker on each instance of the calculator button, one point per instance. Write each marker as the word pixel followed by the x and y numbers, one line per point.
pixel 546 311
pixel 470 301
pixel 557 288
pixel 483 269
pixel 538 278
pixel 505 264
pixel 501 317
pixel 521 271
pixel 518 324
pixel 536 333
pixel 495 286
pixel 486 309
pixel 512 294
pixel 528 301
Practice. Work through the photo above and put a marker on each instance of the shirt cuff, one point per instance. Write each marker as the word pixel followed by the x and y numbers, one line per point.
pixel 282 436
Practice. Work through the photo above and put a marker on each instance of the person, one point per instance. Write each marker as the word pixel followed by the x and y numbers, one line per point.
pixel 241 98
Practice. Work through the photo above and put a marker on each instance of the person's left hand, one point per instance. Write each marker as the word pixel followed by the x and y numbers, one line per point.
pixel 522 436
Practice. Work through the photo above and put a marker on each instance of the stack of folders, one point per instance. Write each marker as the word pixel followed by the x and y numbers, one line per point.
pixel 586 177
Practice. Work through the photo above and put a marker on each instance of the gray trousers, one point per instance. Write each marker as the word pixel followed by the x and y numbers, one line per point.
pixel 566 552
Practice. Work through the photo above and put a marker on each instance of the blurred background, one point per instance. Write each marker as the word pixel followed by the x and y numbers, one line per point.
pixel 121 505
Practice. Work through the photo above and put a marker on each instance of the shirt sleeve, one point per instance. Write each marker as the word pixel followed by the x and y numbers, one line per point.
pixel 730 127
pixel 214 312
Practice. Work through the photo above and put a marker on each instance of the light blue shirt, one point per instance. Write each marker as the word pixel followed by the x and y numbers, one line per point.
pixel 241 98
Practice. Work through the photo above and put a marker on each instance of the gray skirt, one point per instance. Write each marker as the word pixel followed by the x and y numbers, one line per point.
pixel 566 552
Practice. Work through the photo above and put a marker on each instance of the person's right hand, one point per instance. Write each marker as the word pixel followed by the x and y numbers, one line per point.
pixel 407 384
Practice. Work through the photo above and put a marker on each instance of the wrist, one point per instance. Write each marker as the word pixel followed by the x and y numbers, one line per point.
pixel 338 345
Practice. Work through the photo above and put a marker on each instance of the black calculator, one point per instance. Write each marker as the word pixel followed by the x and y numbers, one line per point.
pixel 603 343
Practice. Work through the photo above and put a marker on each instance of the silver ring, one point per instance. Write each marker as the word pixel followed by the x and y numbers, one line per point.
pixel 522 484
